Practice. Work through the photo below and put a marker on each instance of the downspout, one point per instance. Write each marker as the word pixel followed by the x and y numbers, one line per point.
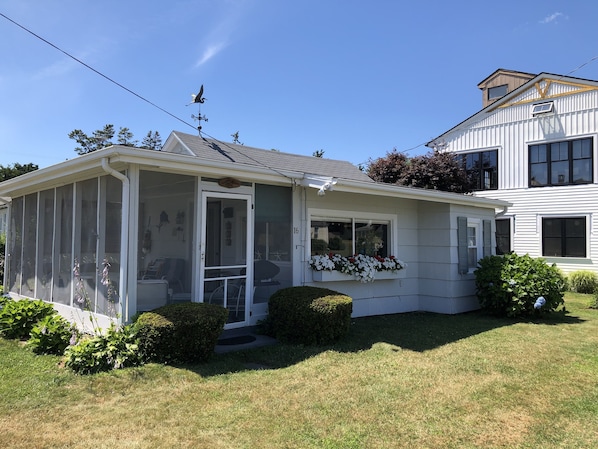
pixel 124 234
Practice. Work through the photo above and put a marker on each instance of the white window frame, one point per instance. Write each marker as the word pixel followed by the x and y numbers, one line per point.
pixel 326 214
pixel 476 224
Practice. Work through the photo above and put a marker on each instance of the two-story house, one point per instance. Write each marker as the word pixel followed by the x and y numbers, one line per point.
pixel 533 144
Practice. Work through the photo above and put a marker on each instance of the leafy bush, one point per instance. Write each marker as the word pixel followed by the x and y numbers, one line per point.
pixel 116 348
pixel 17 318
pixel 4 298
pixel 51 335
pixel 513 285
pixel 185 332
pixel 309 315
pixel 583 281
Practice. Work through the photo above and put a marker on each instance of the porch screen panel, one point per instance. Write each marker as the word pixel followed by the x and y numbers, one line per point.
pixel 63 245
pixel 86 241
pixel 29 246
pixel 15 245
pixel 110 228
pixel 272 235
pixel 45 243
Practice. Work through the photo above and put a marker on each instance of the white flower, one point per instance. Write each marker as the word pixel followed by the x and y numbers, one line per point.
pixel 363 268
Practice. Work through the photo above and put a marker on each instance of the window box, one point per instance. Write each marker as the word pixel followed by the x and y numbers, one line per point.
pixel 338 276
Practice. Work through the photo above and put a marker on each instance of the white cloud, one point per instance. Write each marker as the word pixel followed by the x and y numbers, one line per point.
pixel 553 17
pixel 211 51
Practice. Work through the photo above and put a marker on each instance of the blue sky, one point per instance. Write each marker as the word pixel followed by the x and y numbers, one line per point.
pixel 353 78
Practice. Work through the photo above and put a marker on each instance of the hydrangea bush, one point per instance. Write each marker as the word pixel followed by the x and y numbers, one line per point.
pixel 513 285
pixel 363 268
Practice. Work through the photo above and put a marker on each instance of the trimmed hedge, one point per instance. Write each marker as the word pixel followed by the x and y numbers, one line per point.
pixel 309 315
pixel 185 332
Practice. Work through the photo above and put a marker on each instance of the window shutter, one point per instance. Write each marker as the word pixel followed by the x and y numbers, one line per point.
pixel 487 237
pixel 462 242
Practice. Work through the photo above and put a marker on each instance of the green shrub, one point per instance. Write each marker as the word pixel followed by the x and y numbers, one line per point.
pixel 583 281
pixel 51 335
pixel 309 315
pixel 4 298
pixel 116 348
pixel 17 318
pixel 511 285
pixel 185 332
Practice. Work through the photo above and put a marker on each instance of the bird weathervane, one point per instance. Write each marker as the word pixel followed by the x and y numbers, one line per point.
pixel 198 99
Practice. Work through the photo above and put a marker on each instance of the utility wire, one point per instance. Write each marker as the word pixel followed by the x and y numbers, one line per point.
pixel 97 71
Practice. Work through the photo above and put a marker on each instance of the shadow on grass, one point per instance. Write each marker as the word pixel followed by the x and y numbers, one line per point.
pixel 417 331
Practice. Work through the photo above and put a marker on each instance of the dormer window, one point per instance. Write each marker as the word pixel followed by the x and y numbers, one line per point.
pixel 542 108
pixel 497 92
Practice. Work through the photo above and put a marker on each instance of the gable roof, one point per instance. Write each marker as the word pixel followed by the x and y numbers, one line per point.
pixel 534 83
pixel 277 161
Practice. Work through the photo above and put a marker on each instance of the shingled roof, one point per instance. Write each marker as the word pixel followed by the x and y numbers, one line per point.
pixel 210 149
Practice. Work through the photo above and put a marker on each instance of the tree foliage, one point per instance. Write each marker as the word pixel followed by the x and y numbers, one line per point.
pixel 438 171
pixel 102 138
pixel 15 170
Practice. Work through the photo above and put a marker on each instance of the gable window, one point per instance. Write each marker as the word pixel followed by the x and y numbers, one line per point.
pixel 481 168
pixel 348 236
pixel 561 163
pixel 564 237
pixel 503 236
pixel 542 108
pixel 497 92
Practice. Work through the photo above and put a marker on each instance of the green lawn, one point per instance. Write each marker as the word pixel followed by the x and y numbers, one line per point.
pixel 402 381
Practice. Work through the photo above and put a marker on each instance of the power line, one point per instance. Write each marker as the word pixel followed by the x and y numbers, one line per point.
pixel 97 71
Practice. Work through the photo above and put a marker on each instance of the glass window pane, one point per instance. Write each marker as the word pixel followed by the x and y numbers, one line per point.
pixel 551 247
pixel 539 174
pixel 559 173
pixel 503 236
pixel 332 236
pixel 371 239
pixel 559 151
pixel 582 171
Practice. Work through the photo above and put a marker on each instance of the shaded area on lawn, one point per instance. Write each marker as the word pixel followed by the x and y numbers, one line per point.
pixel 417 331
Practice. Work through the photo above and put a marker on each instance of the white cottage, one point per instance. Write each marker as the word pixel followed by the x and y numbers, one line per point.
pixel 123 230
pixel 534 145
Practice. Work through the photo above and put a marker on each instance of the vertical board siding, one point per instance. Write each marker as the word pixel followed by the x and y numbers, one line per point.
pixel 511 130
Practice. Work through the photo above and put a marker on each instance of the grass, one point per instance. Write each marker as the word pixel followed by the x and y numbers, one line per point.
pixel 402 381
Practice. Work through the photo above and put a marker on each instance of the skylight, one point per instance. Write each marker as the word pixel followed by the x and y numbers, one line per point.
pixel 542 108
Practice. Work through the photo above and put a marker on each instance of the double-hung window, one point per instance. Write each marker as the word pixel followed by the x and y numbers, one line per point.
pixel 561 163
pixel 564 237
pixel 481 168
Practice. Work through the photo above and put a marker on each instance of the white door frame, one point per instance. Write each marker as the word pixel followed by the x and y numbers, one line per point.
pixel 247 264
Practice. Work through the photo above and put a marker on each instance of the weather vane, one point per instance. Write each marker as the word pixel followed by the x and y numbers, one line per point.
pixel 198 99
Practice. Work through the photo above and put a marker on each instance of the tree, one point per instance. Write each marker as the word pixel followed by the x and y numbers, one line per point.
pixel 15 170
pixel 152 141
pixel 438 171
pixel 102 138
pixel 318 153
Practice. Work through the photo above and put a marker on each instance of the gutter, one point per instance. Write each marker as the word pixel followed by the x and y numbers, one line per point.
pixel 124 232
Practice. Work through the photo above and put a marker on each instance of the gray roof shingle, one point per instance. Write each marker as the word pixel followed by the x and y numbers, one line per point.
pixel 211 149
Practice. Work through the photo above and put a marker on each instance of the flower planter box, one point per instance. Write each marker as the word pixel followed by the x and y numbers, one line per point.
pixel 337 276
